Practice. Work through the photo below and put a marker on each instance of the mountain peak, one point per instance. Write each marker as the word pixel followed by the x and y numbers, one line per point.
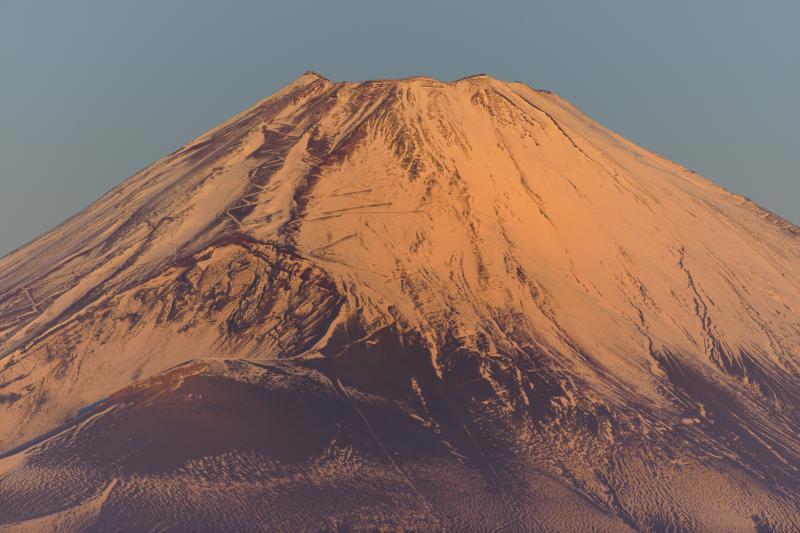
pixel 310 74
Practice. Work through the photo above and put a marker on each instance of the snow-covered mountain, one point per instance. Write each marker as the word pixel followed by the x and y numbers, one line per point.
pixel 405 304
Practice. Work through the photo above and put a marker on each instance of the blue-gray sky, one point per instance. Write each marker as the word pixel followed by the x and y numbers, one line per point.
pixel 92 91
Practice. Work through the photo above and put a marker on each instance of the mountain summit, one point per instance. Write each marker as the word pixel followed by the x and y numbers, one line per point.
pixel 405 304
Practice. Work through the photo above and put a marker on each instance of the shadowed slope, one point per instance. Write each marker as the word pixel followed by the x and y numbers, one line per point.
pixel 224 444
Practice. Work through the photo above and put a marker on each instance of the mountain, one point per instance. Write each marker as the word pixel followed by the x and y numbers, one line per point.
pixel 405 304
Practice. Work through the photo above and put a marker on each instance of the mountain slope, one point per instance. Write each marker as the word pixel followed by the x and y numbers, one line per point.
pixel 540 298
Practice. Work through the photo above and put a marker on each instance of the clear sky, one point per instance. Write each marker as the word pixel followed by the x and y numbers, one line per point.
pixel 91 92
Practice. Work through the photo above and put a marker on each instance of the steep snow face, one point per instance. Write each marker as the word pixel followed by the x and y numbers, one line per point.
pixel 479 241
